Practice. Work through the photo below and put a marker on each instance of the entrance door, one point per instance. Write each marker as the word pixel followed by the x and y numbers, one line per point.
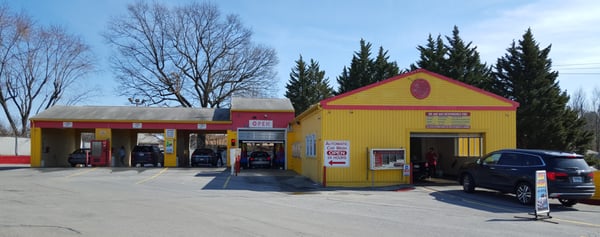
pixel 271 141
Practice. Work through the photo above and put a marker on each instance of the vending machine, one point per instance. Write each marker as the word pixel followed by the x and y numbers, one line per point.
pixel 99 153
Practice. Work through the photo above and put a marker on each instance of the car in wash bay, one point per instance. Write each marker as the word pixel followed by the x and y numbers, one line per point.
pixel 79 157
pixel 569 177
pixel 147 154
pixel 204 156
pixel 259 159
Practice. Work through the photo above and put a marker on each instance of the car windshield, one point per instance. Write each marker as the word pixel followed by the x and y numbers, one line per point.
pixel 80 151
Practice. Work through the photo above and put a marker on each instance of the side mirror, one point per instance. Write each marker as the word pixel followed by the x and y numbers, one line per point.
pixel 479 161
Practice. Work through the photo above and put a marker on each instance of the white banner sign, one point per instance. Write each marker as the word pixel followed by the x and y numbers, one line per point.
pixel 336 153
pixel 260 124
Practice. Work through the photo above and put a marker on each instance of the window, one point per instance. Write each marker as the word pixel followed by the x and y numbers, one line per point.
pixel 529 160
pixel 510 159
pixel 469 146
pixel 492 159
pixel 311 145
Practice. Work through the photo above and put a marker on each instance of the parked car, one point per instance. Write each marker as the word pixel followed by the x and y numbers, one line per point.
pixel 79 157
pixel 569 178
pixel 259 159
pixel 204 156
pixel 147 154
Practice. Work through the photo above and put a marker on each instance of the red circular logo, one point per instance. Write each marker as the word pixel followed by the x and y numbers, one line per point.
pixel 420 88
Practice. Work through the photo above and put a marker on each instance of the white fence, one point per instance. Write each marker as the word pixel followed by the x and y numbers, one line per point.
pixel 11 147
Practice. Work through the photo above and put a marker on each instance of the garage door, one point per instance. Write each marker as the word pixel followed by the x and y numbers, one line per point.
pixel 261 135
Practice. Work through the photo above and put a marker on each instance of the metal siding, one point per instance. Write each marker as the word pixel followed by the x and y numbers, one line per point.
pixel 261 135
pixel 310 167
pixel 391 129
pixel 365 130
pixel 36 147
pixel 397 92
pixel 293 163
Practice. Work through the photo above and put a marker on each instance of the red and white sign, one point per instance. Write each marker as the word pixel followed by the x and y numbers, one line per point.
pixel 261 124
pixel 336 154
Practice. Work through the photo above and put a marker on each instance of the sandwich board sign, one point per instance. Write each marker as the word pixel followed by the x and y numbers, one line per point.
pixel 542 205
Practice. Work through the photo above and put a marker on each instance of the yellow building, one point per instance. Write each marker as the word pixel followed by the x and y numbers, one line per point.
pixel 371 136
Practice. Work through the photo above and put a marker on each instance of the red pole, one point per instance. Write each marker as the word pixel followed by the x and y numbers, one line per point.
pixel 324 176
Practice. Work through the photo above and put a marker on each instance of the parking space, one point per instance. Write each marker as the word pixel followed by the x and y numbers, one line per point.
pixel 267 202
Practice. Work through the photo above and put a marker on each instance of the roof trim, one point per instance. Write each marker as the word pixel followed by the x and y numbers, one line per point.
pixel 409 107
pixel 514 104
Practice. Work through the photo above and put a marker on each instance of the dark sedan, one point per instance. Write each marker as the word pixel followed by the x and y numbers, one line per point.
pixel 79 157
pixel 204 156
pixel 259 159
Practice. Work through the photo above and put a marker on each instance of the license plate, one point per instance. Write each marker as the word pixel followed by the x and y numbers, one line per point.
pixel 576 179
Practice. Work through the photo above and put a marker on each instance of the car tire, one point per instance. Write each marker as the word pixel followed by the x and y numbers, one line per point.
pixel 468 183
pixel 567 202
pixel 524 193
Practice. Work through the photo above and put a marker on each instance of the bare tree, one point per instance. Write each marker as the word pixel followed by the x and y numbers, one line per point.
pixel 578 102
pixel 188 55
pixel 38 65
pixel 594 117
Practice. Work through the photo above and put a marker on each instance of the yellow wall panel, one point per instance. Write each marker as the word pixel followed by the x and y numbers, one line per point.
pixel 367 129
pixel 397 92
pixel 36 147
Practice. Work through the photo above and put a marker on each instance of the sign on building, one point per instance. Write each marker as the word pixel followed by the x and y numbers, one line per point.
pixel 336 153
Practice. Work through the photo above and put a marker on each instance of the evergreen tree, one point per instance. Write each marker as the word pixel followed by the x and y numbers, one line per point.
pixel 344 82
pixel 464 63
pixel 383 69
pixel 433 56
pixel 543 118
pixel 307 85
pixel 455 60
pixel 364 70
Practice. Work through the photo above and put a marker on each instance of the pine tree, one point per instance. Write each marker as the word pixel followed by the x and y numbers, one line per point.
pixel 307 85
pixel 383 69
pixel 344 82
pixel 433 56
pixel 364 70
pixel 464 63
pixel 525 75
pixel 455 60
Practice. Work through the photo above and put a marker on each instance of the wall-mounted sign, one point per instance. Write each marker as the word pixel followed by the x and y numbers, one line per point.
pixel 169 146
pixel 448 120
pixel 420 89
pixel 136 125
pixel 67 124
pixel 385 159
pixel 202 126
pixel 260 123
pixel 336 153
pixel 170 133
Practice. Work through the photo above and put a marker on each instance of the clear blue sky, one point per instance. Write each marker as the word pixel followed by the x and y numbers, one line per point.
pixel 329 31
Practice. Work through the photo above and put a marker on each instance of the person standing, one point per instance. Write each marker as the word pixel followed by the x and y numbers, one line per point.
pixel 122 155
pixel 432 158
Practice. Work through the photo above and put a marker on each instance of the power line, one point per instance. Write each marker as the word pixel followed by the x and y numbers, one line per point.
pixel 575 64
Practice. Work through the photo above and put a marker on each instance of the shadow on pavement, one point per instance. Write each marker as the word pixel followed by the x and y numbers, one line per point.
pixel 269 180
pixel 492 201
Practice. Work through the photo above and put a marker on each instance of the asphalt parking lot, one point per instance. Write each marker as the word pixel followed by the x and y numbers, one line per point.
pixel 211 202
